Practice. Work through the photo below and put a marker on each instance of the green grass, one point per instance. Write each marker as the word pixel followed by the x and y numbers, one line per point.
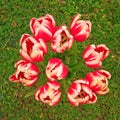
pixel 14 21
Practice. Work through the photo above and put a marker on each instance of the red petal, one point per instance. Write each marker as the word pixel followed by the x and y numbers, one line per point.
pixel 28 82
pixel 71 100
pixel 43 46
pixel 93 99
pixel 34 68
pixel 13 78
pixel 23 38
pixel 54 84
pixel 74 89
pixel 64 73
pixel 25 56
pixel 104 49
pixel 93 64
pixel 74 20
pixel 106 74
pixel 37 55
pixel 38 92
pixel 53 62
pixel 32 22
pixel 88 50
pixel 103 92
pixel 44 33
pixel 80 38
pixel 56 99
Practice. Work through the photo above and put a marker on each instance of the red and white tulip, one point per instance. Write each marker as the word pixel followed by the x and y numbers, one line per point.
pixel 43 27
pixel 32 50
pixel 80 29
pixel 98 81
pixel 49 93
pixel 62 40
pixel 94 55
pixel 80 93
pixel 56 69
pixel 26 73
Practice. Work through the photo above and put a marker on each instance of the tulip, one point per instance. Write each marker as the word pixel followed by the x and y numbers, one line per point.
pixel 26 73
pixel 80 93
pixel 62 40
pixel 49 93
pixel 56 69
pixel 94 55
pixel 80 29
pixel 98 81
pixel 43 27
pixel 32 50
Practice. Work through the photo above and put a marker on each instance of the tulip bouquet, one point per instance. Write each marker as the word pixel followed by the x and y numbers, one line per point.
pixel 48 38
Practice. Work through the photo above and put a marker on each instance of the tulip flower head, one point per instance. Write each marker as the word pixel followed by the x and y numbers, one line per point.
pixel 80 93
pixel 32 50
pixel 62 40
pixel 56 69
pixel 49 93
pixel 80 29
pixel 44 27
pixel 26 73
pixel 94 55
pixel 98 81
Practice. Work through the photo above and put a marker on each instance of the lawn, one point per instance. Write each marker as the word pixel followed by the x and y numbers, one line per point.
pixel 16 101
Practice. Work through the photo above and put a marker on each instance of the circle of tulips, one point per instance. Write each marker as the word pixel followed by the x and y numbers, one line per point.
pixel 60 40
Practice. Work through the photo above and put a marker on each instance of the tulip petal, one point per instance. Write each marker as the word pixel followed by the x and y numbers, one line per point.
pixel 28 82
pixel 32 21
pixel 74 20
pixel 64 73
pixel 43 32
pixel 106 74
pixel 13 78
pixel 104 50
pixel 88 51
pixel 25 56
pixel 54 85
pixel 24 36
pixel 36 54
pixel 72 100
pixel 93 99
pixel 56 99
pixel 37 94
pixel 103 92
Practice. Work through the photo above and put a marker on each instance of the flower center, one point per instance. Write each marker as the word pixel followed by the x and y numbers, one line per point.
pixel 102 83
pixel 64 39
pixel 21 75
pixel 47 98
pixel 82 94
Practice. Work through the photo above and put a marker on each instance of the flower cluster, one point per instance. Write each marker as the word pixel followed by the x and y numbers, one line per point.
pixel 61 38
